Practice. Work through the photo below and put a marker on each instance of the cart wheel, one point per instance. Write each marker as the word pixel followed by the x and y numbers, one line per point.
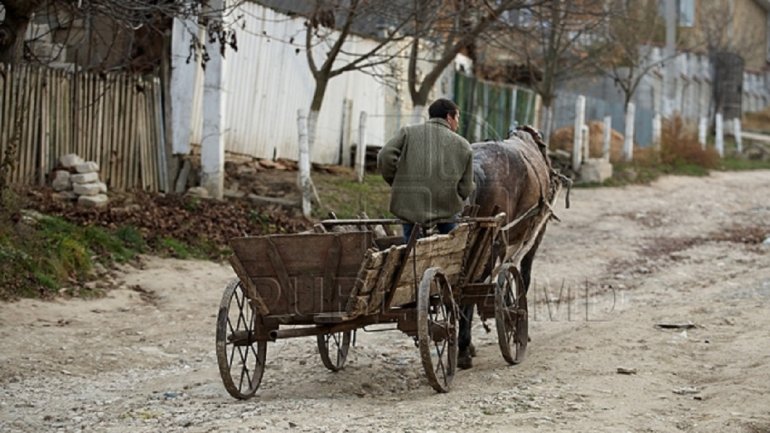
pixel 241 358
pixel 437 329
pixel 336 344
pixel 511 315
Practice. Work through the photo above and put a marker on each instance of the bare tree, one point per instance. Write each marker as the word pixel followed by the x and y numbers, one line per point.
pixel 446 29
pixel 556 40
pixel 632 31
pixel 125 32
pixel 729 45
pixel 18 14
pixel 329 29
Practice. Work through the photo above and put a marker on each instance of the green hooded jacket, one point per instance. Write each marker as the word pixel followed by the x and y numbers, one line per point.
pixel 430 169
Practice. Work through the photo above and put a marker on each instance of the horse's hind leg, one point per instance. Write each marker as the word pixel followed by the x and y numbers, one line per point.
pixel 526 262
pixel 464 359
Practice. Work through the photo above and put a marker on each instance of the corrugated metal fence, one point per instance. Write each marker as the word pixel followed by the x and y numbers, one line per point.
pixel 113 119
pixel 597 109
pixel 488 110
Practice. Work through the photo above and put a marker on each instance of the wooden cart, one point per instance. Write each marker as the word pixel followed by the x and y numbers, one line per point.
pixel 346 275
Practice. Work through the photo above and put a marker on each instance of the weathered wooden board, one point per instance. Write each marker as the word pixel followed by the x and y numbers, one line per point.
pixel 444 251
pixel 293 275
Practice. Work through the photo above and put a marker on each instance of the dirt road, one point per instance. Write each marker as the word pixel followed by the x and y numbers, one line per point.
pixel 683 250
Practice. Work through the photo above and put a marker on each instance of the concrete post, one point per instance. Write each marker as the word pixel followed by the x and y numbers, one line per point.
pixel 304 164
pixel 182 85
pixel 607 138
pixel 577 147
pixel 702 130
pixel 737 134
pixel 585 144
pixel 657 131
pixel 361 148
pixel 628 141
pixel 720 138
pixel 669 73
pixel 213 138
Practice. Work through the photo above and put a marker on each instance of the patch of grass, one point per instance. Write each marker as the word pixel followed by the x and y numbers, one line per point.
pixel 343 195
pixel 40 254
pixel 203 249
pixel 735 164
pixel 174 248
pixel 132 238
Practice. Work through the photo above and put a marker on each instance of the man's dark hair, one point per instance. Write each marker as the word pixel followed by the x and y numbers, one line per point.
pixel 441 107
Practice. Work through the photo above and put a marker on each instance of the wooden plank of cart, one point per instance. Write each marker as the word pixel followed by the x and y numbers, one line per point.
pixel 344 276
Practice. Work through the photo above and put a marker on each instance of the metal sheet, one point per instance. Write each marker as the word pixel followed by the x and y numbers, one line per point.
pixel 268 79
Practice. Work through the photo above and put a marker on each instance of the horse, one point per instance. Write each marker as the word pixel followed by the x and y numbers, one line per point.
pixel 512 176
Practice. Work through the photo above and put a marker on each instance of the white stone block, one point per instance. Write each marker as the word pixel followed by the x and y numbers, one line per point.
pixel 595 170
pixel 64 196
pixel 89 189
pixel 98 200
pixel 70 160
pixel 102 187
pixel 61 180
pixel 87 167
pixel 85 178
pixel 198 191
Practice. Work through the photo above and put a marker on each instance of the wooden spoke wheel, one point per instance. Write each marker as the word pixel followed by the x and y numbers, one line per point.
pixel 241 358
pixel 333 348
pixel 437 329
pixel 511 315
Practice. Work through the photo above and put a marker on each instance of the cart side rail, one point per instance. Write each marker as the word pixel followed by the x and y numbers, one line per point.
pixel 444 251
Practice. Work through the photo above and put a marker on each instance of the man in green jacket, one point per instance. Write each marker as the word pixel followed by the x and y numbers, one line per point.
pixel 430 169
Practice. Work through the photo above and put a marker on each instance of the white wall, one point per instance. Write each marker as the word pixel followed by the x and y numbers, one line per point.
pixel 267 81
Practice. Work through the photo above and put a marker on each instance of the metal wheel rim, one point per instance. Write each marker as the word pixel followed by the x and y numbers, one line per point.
pixel 241 359
pixel 439 358
pixel 512 327
pixel 339 342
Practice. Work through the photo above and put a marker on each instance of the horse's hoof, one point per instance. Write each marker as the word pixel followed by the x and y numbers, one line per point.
pixel 464 359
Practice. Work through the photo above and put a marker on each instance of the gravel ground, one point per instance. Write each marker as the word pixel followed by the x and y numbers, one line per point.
pixel 683 250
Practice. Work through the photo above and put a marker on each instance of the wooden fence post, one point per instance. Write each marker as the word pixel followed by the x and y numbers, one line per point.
pixel 628 142
pixel 607 138
pixel 304 163
pixel 737 134
pixel 577 146
pixel 361 148
pixel 702 127
pixel 657 131
pixel 720 138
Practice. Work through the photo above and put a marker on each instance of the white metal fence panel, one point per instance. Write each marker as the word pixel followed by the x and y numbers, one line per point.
pixel 268 79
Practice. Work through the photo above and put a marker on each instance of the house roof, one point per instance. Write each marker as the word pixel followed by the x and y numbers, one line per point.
pixel 372 24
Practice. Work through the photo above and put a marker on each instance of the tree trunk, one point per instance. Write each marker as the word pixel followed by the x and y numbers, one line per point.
pixel 321 83
pixel 12 32
pixel 417 114
pixel 547 123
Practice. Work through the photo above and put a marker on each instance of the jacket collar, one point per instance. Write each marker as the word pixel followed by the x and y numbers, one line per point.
pixel 440 121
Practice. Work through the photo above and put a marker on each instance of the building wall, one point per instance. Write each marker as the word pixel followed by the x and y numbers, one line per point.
pixel 751 27
pixel 694 95
pixel 739 26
